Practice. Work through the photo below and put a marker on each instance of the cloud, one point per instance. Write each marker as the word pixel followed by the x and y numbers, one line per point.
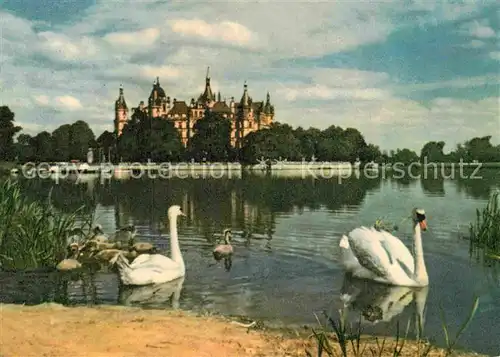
pixel 475 44
pixel 479 29
pixel 68 102
pixel 83 63
pixel 65 102
pixel 495 55
pixel 42 99
pixel 226 31
pixel 326 93
pixel 141 39
pixel 169 72
pixel 61 47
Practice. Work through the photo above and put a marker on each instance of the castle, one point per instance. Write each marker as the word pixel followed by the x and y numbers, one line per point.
pixel 245 116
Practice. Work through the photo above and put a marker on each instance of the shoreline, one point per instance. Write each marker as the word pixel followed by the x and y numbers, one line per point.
pixel 56 330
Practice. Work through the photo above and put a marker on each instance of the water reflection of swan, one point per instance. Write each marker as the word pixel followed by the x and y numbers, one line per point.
pixel 152 295
pixel 380 302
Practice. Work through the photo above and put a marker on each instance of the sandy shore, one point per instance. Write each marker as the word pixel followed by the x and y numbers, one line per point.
pixel 53 330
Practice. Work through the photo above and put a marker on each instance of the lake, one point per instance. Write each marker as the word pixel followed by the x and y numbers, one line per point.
pixel 285 234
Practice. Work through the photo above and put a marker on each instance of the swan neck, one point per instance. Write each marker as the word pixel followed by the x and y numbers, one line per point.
pixel 175 250
pixel 420 270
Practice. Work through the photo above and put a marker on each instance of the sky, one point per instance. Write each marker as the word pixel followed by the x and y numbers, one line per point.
pixel 402 72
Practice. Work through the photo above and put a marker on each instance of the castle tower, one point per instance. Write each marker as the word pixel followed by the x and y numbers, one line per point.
pixel 207 99
pixel 121 113
pixel 158 103
pixel 243 116
pixel 267 114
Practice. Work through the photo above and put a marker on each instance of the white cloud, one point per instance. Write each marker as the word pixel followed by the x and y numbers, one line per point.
pixel 69 102
pixel 168 72
pixel 474 44
pixel 323 92
pixel 62 47
pixel 226 31
pixel 143 38
pixel 457 83
pixel 495 55
pixel 42 100
pixel 479 29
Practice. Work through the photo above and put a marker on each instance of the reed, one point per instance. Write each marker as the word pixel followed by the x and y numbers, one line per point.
pixel 347 341
pixel 485 231
pixel 32 233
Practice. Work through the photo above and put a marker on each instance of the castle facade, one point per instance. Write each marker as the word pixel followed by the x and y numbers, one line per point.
pixel 246 115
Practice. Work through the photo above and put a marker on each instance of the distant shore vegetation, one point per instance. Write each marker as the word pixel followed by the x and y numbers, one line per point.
pixel 157 139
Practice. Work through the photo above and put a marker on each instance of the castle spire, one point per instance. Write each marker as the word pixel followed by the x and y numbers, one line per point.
pixel 244 97
pixel 158 81
pixel 207 95
pixel 120 102
pixel 268 108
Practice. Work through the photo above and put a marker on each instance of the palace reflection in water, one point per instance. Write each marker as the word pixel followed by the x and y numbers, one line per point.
pixel 285 235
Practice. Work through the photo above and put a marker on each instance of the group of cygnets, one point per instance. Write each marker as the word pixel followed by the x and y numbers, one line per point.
pixel 99 247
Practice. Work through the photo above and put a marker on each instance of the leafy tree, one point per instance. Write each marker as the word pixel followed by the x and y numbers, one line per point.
pixel 7 132
pixel 61 138
pixel 277 141
pixel 309 140
pixel 42 147
pixel 157 139
pixel 211 139
pixel 460 153
pixel 481 149
pixel 164 142
pixel 24 150
pixel 334 146
pixel 433 152
pixel 356 142
pixel 106 142
pixel 81 139
pixel 370 153
pixel 405 156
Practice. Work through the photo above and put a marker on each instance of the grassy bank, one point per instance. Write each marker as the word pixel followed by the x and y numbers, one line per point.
pixel 53 330
pixel 33 234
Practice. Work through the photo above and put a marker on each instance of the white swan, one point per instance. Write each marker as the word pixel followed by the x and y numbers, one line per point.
pixel 379 256
pixel 154 268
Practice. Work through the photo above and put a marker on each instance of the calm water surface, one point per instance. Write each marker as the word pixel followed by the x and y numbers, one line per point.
pixel 286 234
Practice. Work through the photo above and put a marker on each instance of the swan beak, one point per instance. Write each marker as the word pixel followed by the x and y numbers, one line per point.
pixel 423 225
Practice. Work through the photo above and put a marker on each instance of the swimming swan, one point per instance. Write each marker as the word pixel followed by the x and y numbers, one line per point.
pixel 223 250
pixel 154 268
pixel 379 256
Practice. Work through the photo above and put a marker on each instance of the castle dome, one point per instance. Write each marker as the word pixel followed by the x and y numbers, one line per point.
pixel 157 91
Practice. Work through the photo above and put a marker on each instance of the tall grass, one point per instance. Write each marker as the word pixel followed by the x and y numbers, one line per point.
pixel 348 340
pixel 32 233
pixel 485 231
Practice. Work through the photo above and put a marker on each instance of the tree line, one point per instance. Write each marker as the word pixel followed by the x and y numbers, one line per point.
pixel 158 139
